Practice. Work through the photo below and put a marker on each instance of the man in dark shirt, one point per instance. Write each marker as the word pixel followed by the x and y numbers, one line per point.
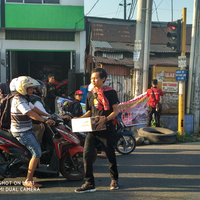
pixel 101 102
pixel 151 104
pixel 51 94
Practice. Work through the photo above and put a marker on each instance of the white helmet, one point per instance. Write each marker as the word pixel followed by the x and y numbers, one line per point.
pixel 25 82
pixel 13 85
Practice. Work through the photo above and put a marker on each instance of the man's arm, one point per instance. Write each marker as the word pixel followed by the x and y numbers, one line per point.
pixel 87 114
pixel 104 119
pixel 33 115
pixel 39 112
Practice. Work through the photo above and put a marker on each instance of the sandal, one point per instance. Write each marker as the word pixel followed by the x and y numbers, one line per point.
pixel 31 184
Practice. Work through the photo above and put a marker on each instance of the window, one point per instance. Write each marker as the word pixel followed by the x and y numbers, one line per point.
pixel 34 1
pixel 15 1
pixel 40 35
pixel 51 1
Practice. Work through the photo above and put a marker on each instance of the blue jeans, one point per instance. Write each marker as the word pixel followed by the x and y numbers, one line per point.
pixel 29 140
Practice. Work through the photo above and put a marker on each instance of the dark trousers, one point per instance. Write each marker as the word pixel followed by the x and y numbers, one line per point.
pixel 150 112
pixel 107 141
pixel 50 106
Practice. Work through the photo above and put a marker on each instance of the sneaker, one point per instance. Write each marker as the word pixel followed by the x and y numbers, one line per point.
pixel 114 185
pixel 85 188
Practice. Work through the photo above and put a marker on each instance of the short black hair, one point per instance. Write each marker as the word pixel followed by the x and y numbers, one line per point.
pixel 154 82
pixel 50 75
pixel 102 72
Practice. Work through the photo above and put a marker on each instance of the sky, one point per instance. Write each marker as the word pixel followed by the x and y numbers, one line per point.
pixel 163 13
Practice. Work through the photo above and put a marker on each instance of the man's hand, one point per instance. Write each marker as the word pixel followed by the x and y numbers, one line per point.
pixel 66 117
pixel 57 97
pixel 50 122
pixel 42 126
pixel 100 123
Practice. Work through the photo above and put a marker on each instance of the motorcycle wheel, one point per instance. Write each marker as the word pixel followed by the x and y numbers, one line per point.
pixel 2 160
pixel 72 172
pixel 126 144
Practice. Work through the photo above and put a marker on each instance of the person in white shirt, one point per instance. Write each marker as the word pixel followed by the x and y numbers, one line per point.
pixel 22 112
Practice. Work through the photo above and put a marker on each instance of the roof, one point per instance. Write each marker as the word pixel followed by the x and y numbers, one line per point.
pixel 171 61
pixel 115 30
pixel 111 61
pixel 104 46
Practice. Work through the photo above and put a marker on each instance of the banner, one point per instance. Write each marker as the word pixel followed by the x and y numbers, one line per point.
pixel 134 112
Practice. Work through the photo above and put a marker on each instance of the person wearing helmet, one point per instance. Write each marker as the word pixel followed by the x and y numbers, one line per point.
pixel 22 112
pixel 74 107
pixel 39 92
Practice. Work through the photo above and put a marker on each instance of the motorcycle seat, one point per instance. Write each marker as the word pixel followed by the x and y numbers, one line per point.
pixel 8 135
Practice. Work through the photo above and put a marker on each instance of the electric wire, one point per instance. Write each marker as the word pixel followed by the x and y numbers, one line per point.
pixel 158 19
pixel 87 13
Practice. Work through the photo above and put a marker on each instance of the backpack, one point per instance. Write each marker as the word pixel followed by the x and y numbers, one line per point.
pixel 5 111
pixel 69 106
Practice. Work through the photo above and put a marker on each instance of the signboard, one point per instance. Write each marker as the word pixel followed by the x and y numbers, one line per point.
pixel 136 55
pixel 182 61
pixel 170 75
pixel 170 86
pixel 138 45
pixel 181 75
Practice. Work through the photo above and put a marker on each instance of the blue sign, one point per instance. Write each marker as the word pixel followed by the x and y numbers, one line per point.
pixel 136 55
pixel 181 75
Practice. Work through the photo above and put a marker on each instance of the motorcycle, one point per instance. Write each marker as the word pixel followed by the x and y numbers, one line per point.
pixel 66 158
pixel 125 142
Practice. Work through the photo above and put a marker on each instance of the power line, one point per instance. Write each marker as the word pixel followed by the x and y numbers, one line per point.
pixel 87 13
pixel 158 18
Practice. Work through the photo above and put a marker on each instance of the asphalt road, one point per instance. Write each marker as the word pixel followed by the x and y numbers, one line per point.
pixel 155 172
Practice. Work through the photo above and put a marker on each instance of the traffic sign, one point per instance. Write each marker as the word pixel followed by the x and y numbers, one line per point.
pixel 181 75
pixel 136 55
pixel 182 61
pixel 138 45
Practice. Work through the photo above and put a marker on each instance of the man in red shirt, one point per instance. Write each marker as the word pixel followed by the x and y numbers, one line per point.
pixel 151 104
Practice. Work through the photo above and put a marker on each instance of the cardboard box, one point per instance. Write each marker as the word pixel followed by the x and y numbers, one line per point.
pixel 85 124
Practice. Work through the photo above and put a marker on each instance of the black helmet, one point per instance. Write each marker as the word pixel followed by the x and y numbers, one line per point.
pixel 41 89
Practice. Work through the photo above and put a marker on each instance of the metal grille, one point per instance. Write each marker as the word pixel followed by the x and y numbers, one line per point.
pixel 40 35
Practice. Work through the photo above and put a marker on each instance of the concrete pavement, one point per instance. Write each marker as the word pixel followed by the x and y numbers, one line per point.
pixel 155 172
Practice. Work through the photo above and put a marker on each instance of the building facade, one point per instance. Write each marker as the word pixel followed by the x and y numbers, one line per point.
pixel 40 37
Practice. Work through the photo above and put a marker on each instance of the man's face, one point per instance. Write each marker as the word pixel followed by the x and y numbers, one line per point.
pixel 51 79
pixel 29 91
pixel 79 97
pixel 96 81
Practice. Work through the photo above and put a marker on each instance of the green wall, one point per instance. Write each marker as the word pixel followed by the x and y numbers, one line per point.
pixel 43 16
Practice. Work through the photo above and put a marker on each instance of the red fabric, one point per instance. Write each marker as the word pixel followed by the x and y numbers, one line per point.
pixel 158 92
pixel 101 98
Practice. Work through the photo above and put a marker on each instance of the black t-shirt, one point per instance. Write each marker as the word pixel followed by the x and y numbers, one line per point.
pixel 111 95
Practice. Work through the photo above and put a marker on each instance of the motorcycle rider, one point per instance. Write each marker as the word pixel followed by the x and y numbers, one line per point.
pixel 39 92
pixel 22 112
pixel 74 107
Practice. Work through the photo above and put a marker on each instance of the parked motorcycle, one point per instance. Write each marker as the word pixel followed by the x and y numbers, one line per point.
pixel 66 158
pixel 124 139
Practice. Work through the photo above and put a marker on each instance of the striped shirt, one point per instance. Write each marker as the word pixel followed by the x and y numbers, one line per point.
pixel 20 122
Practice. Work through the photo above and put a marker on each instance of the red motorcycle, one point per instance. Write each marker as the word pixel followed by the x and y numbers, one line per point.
pixel 67 156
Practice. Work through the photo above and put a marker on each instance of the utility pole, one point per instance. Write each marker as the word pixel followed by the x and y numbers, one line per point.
pixel 172 10
pixel 181 100
pixel 125 9
pixel 147 45
pixel 139 47
pixel 195 96
pixel 192 57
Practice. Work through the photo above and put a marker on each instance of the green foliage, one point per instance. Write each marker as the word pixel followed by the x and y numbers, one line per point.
pixel 187 138
pixel 153 123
